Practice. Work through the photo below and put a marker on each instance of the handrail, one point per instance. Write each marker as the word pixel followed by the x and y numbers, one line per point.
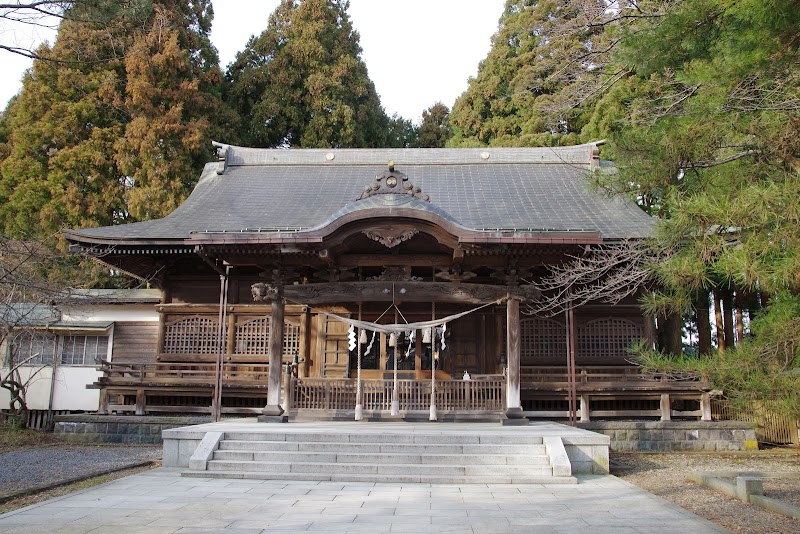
pixel 182 373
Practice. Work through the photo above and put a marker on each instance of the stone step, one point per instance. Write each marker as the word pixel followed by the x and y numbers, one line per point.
pixel 386 438
pixel 374 448
pixel 496 458
pixel 322 468
pixel 382 478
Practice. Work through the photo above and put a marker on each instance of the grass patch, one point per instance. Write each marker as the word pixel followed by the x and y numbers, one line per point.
pixel 12 437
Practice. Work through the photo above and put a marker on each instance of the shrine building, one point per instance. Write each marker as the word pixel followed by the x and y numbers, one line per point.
pixel 374 283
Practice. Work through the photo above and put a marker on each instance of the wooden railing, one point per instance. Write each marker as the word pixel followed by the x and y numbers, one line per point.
pixel 413 395
pixel 612 391
pixel 603 377
pixel 182 374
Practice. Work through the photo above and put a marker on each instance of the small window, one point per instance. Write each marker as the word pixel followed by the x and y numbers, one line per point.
pixel 32 348
pixel 83 350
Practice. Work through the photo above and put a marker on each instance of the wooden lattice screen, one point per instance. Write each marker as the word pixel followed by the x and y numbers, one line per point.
pixel 542 339
pixel 252 337
pixel 608 338
pixel 192 335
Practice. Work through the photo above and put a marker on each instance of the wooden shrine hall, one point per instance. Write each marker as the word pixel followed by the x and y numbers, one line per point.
pixel 381 282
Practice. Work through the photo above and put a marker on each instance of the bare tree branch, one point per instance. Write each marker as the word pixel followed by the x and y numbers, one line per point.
pixel 604 274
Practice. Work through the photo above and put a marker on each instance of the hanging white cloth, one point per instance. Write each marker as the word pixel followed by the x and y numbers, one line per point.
pixel 404 327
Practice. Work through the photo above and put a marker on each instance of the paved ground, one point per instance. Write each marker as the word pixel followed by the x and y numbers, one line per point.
pixel 160 501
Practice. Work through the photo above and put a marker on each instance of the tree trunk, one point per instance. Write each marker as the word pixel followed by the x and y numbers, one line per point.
pixel 718 320
pixel 727 310
pixel 703 324
pixel 669 334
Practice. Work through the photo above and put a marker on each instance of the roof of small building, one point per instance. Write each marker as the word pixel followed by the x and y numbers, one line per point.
pixel 487 189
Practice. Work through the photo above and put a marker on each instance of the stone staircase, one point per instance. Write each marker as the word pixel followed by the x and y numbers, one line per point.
pixel 382 457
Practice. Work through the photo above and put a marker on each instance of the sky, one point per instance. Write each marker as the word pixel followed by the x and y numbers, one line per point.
pixel 418 52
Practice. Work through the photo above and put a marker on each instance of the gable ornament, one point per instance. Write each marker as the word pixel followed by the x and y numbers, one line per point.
pixel 390 237
pixel 392 182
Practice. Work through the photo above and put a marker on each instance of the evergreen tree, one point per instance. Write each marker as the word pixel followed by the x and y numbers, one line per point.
pixel 401 133
pixel 709 137
pixel 115 126
pixel 174 102
pixel 527 91
pixel 435 128
pixel 302 81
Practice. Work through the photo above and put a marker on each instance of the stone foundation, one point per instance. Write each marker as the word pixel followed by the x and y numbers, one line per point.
pixel 663 436
pixel 136 430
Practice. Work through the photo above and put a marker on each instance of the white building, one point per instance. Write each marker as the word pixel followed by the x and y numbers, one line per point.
pixel 63 342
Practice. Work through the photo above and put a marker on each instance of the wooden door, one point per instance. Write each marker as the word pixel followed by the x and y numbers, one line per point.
pixel 464 345
pixel 335 349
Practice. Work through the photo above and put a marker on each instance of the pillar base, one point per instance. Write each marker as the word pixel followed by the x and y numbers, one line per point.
pixel 515 413
pixel 273 418
pixel 515 417
pixel 272 409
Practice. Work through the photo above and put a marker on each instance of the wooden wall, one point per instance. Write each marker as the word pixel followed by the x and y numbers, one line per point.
pixel 135 342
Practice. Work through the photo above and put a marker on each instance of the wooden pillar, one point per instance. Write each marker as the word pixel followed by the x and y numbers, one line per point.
pixel 103 404
pixel 666 407
pixel 272 412
pixel 305 343
pixel 585 408
pixel 288 387
pixel 513 399
pixel 705 407
pixel 140 407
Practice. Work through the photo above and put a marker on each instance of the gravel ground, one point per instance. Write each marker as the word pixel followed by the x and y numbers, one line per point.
pixel 30 468
pixel 666 474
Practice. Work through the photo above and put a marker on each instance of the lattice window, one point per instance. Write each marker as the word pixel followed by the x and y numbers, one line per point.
pixel 252 337
pixel 291 339
pixel 192 335
pixel 608 338
pixel 542 339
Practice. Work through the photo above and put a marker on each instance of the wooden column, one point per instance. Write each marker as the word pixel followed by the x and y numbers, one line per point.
pixel 705 407
pixel 272 412
pixel 666 407
pixel 513 400
pixel 140 400
pixel 585 417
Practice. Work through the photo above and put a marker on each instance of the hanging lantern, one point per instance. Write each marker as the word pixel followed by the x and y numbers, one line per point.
pixel 426 335
pixel 362 337
pixel 392 339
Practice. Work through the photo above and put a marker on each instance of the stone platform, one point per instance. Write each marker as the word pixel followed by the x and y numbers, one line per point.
pixel 541 452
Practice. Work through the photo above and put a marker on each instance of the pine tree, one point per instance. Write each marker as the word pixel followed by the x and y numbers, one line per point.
pixel 302 81
pixel 709 136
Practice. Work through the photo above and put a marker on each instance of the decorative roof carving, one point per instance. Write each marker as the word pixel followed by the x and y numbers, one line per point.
pixel 396 274
pixel 392 182
pixel 390 237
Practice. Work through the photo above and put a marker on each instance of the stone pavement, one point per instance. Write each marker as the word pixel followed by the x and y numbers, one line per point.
pixel 161 501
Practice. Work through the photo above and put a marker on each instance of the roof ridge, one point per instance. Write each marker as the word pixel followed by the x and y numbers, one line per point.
pixel 232 155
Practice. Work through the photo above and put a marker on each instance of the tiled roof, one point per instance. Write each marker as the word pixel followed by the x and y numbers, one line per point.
pixel 525 189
